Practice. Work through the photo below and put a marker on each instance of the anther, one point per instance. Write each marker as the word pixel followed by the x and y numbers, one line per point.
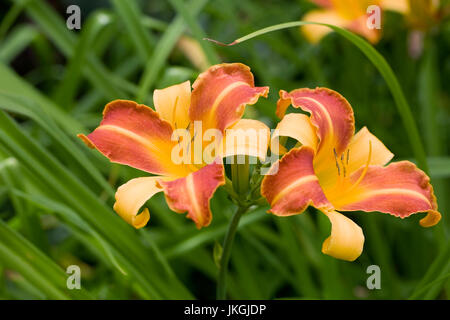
pixel 337 163
pixel 174 113
pixel 343 165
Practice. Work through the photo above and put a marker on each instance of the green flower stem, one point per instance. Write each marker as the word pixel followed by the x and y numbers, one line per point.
pixel 227 245
pixel 240 176
pixel 230 189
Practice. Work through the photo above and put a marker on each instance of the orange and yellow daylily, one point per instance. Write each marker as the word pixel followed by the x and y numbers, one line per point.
pixel 334 170
pixel 423 14
pixel 348 14
pixel 138 136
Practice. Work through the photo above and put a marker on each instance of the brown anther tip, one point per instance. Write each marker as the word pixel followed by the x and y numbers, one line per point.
pixel 221 43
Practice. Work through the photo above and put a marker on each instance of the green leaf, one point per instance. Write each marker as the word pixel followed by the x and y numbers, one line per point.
pixel 439 167
pixel 162 51
pixel 19 38
pixel 128 11
pixel 217 253
pixel 29 109
pixel 68 189
pixel 51 23
pixel 19 254
pixel 196 30
pixel 438 270
pixel 66 91
pixel 10 172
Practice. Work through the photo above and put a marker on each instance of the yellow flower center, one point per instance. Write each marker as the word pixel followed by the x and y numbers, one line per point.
pixel 343 185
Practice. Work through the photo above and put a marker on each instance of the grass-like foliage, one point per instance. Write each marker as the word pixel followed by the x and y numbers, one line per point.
pixel 56 195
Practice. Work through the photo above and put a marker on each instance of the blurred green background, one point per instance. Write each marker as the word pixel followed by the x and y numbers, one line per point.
pixel 56 196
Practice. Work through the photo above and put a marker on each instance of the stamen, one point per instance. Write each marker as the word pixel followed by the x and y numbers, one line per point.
pixel 363 174
pixel 174 113
pixel 337 163
pixel 174 117
pixel 343 165
pixel 190 141
pixel 193 138
pixel 348 155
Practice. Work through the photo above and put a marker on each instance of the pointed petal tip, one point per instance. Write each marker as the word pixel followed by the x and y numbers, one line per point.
pixel 431 219
pixel 86 140
pixel 346 241
pixel 400 189
pixel 135 135
pixel 192 194
pixel 141 219
pixel 331 114
pixel 221 93
pixel 131 196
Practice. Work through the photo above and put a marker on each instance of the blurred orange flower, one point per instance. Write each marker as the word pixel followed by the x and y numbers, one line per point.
pixel 352 15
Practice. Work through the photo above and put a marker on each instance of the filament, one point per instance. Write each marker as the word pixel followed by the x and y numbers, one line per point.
pixel 343 165
pixel 363 174
pixel 337 163
pixel 174 113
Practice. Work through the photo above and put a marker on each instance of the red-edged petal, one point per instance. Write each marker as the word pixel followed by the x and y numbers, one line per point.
pixel 291 185
pixel 221 93
pixel 330 113
pixel 400 189
pixel 133 134
pixel 192 193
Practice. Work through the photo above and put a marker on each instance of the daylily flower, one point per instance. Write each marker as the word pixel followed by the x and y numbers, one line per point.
pixel 347 14
pixel 335 170
pixel 136 135
pixel 423 14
